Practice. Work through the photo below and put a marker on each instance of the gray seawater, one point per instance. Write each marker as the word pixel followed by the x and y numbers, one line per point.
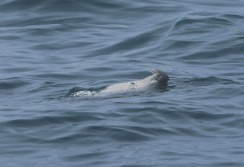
pixel 51 49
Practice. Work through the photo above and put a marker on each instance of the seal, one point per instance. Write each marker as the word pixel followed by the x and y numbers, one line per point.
pixel 157 80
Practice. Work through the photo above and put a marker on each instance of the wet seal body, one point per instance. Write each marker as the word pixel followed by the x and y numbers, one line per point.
pixel 157 80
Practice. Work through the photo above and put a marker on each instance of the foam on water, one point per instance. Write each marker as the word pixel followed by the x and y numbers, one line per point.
pixel 84 93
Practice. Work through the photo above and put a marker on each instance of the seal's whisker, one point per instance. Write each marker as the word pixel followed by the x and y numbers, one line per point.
pixel 153 71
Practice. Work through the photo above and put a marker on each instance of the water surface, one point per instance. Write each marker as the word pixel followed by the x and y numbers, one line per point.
pixel 51 48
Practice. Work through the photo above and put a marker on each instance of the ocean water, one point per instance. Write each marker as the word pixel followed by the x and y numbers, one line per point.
pixel 52 49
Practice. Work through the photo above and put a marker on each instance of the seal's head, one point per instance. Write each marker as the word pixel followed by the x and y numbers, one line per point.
pixel 159 78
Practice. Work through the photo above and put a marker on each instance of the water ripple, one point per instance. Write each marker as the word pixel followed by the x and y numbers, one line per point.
pixel 53 50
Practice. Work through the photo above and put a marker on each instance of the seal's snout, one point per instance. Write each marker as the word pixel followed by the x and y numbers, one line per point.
pixel 161 77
